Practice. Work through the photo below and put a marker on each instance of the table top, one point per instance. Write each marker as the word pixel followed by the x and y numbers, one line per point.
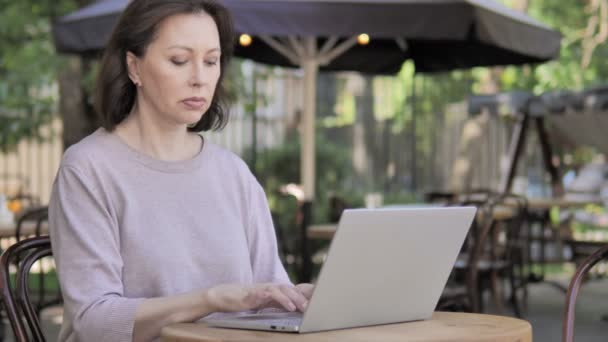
pixel 327 231
pixel 560 202
pixel 445 327
pixel 321 231
pixel 27 228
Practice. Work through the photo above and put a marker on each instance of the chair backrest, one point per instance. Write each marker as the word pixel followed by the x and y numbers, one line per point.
pixel 484 241
pixel 505 243
pixel 573 288
pixel 25 201
pixel 36 215
pixel 466 273
pixel 337 205
pixel 16 298
pixel 475 247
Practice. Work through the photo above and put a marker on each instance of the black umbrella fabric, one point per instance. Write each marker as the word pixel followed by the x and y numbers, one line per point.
pixel 438 35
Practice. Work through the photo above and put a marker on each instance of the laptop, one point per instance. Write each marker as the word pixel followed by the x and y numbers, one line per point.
pixel 384 266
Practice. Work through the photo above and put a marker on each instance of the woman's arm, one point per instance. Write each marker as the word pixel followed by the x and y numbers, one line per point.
pixel 155 313
pixel 86 248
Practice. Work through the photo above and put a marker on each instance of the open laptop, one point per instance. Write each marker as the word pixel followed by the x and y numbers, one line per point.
pixel 383 266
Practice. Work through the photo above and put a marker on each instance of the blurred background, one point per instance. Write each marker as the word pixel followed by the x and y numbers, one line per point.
pixel 380 140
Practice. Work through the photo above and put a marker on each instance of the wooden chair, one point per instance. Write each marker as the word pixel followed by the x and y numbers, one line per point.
pixel 337 205
pixel 573 288
pixel 516 255
pixel 463 293
pixel 504 258
pixel 493 251
pixel 440 197
pixel 37 216
pixel 25 201
pixel 16 298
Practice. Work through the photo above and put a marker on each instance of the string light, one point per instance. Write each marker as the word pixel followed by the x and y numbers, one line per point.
pixel 363 39
pixel 245 39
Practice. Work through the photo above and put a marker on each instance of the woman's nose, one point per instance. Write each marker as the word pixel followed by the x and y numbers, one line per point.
pixel 198 77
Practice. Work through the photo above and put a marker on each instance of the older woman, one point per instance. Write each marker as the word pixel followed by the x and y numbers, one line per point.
pixel 150 223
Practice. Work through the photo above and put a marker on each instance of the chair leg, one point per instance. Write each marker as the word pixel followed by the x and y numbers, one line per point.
pixel 496 291
pixel 41 288
pixel 474 294
pixel 479 305
pixel 521 278
pixel 514 290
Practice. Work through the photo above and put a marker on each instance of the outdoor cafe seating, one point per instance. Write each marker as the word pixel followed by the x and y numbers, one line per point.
pixel 25 323
pixel 494 255
pixel 573 289
pixel 22 314
pixel 503 253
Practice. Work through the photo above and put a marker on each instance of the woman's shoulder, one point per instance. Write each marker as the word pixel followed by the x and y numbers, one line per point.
pixel 88 151
pixel 225 157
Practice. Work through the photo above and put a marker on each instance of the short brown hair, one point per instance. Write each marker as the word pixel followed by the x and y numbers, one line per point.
pixel 115 93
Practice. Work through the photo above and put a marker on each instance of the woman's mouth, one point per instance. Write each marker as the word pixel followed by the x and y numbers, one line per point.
pixel 194 103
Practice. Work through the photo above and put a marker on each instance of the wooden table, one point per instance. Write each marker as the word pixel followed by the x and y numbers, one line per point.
pixel 321 231
pixel 538 211
pixel 560 202
pixel 445 327
pixel 327 231
pixel 27 228
pixel 501 212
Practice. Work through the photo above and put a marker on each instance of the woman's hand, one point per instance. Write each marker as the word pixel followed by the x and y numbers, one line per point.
pixel 305 289
pixel 234 297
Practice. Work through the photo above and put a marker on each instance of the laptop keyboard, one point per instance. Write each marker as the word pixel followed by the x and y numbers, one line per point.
pixel 286 319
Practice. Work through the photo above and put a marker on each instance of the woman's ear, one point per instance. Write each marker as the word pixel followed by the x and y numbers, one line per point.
pixel 133 68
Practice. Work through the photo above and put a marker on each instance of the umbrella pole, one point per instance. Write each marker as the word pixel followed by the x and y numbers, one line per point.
pixel 310 65
pixel 413 137
pixel 307 132
pixel 304 53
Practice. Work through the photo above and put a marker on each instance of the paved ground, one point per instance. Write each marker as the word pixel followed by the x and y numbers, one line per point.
pixel 545 311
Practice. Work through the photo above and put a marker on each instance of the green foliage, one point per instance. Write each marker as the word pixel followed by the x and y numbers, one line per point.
pixel 344 108
pixel 399 198
pixel 395 101
pixel 281 165
pixel 28 68
pixel 571 19
pixel 242 81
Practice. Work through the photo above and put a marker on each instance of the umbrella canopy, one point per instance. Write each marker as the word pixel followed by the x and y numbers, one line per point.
pixel 438 35
pixel 574 118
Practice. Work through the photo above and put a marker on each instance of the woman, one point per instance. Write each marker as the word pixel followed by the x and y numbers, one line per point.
pixel 150 223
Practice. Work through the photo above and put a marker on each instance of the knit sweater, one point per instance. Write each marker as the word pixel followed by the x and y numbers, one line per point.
pixel 125 227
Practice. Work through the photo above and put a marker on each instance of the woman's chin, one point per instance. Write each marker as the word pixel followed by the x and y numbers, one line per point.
pixel 190 120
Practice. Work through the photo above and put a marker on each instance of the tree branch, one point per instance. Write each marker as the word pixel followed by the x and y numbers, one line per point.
pixel 596 31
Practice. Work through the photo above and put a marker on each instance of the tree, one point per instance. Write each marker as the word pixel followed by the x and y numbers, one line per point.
pixel 28 68
pixel 584 25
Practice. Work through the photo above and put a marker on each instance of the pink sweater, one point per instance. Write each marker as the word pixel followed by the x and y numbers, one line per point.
pixel 125 227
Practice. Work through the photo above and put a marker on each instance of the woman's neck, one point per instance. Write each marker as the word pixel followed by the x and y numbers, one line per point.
pixel 161 141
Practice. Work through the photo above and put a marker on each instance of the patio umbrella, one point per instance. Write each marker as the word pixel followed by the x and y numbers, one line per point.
pixel 438 35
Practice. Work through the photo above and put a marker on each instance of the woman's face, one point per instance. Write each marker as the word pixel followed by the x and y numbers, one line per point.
pixel 180 69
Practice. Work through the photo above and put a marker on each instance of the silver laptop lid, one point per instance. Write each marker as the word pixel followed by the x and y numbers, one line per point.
pixel 386 266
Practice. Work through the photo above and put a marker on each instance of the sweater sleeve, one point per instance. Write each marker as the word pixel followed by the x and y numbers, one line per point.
pixel 86 246
pixel 265 261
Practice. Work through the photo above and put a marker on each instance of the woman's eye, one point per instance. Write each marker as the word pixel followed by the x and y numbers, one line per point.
pixel 211 62
pixel 178 62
